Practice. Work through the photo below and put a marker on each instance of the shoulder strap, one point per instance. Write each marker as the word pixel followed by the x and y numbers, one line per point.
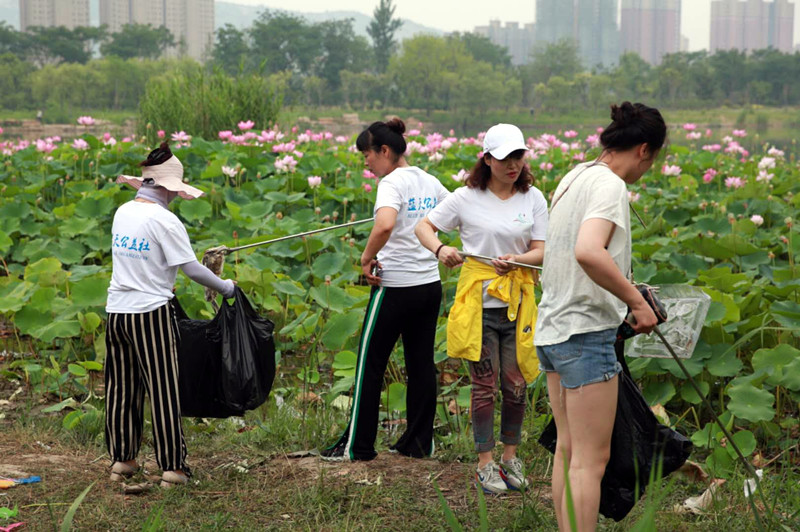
pixel 555 201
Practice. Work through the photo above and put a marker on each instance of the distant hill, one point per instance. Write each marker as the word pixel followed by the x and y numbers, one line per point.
pixel 242 16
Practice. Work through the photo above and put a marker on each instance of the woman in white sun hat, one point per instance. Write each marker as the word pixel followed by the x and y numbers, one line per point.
pixel 498 214
pixel 149 243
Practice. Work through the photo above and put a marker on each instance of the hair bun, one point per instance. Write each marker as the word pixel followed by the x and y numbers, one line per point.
pixel 624 114
pixel 396 125
pixel 158 155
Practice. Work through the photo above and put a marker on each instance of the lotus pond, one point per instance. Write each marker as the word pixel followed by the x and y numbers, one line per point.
pixel 720 215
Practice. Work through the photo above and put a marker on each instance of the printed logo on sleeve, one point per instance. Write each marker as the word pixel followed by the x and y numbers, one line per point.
pixel 131 247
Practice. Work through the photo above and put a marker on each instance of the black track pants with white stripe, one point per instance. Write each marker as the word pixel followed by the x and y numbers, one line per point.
pixel 142 357
pixel 409 313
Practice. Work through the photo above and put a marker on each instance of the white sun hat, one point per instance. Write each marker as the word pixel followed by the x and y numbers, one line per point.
pixel 168 174
pixel 502 139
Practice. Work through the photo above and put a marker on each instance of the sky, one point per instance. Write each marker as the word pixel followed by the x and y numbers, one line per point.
pixel 464 15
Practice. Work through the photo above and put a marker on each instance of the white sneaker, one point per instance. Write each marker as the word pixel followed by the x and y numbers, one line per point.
pixel 488 477
pixel 511 471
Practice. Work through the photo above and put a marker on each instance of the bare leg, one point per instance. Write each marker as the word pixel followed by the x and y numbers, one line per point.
pixel 563 452
pixel 591 411
pixel 509 451
pixel 484 458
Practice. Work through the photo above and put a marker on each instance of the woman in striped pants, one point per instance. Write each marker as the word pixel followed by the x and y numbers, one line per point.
pixel 149 243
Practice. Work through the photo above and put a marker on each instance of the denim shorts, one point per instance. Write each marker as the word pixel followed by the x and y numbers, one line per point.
pixel 583 359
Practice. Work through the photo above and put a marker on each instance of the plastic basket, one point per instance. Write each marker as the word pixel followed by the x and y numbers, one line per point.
pixel 686 307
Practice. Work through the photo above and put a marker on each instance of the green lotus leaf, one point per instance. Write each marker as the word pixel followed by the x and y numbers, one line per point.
pixel 790 378
pixel 14 294
pixel 331 297
pixel 91 291
pixel 689 394
pixel 745 441
pixel 95 207
pixel 344 364
pixel 195 210
pixel 720 464
pixel 659 392
pixel 750 403
pixel 285 286
pixel 339 329
pixel 328 264
pixel 89 321
pixel 45 272
pixel 787 313
pixel 723 361
pixel 732 313
pixel 396 397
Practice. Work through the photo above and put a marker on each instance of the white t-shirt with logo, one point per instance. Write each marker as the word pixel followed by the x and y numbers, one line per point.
pixel 571 302
pixel 148 244
pixel 491 226
pixel 412 193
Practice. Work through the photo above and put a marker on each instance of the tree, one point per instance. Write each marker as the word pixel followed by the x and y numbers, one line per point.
pixel 53 45
pixel 381 30
pixel 139 40
pixel 481 48
pixel 555 59
pixel 231 49
pixel 285 42
pixel 15 88
pixel 341 49
pixel 631 79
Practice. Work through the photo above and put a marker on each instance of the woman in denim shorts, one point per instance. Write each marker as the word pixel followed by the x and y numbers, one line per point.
pixel 586 296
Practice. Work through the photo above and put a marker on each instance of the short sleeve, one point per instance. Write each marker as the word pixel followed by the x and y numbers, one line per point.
pixel 607 199
pixel 540 216
pixel 445 216
pixel 388 196
pixel 176 245
pixel 441 192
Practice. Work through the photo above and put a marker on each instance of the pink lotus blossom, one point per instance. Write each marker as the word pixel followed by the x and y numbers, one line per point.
pixel 181 136
pixel 600 130
pixel 1 130
pixel 447 144
pixel 285 164
pixel 368 175
pixel 80 144
pixel 775 152
pixel 766 163
pixel 712 147
pixel 245 125
pixel 314 181
pixel 593 141
pixel 633 197
pixel 126 139
pixel 739 133
pixel 283 147
pixel 735 182
pixel 294 129
pixel 757 219
pixel 580 156
pixel 708 132
pixel 571 134
pixel 461 176
pixel 341 139
pixel 225 134
pixel 709 175
pixel 44 146
pixel 413 132
pixel 109 140
pixel 367 187
pixel 764 176
pixel 298 154
pixel 415 147
pixel 546 166
pixel 671 170
pixel 694 135
pixel 303 137
pixel 327 135
pixel 689 126
pixel 161 133
pixel 229 171
pixel 86 120
pixel 436 157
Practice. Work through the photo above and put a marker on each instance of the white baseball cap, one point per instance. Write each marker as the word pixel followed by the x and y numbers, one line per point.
pixel 502 139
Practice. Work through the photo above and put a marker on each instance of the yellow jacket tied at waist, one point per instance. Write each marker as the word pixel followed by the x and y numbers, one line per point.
pixel 465 324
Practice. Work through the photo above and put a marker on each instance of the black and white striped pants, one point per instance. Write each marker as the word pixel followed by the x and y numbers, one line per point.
pixel 142 357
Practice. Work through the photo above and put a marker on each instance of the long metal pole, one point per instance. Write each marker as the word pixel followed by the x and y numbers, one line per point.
pixel 298 235
pixel 511 262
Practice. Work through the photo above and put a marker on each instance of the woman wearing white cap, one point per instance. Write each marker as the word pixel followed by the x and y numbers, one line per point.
pixel 149 243
pixel 498 214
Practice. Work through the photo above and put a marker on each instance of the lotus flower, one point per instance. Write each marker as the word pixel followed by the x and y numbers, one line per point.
pixel 245 125
pixel 314 181
pixel 86 120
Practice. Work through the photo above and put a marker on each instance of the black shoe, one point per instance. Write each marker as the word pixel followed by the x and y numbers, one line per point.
pixel 334 453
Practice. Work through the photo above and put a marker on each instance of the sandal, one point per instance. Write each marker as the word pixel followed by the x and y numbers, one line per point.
pixel 170 479
pixel 121 471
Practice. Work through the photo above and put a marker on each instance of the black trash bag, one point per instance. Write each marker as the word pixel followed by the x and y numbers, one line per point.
pixel 638 442
pixel 226 364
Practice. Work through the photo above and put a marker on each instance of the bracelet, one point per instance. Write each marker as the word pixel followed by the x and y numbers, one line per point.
pixel 436 253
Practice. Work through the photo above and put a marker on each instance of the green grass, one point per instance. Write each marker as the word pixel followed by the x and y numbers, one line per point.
pixel 244 481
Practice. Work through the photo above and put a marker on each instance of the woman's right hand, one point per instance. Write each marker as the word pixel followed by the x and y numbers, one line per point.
pixel 450 257
pixel 644 319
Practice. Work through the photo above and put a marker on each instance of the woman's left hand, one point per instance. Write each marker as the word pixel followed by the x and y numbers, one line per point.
pixel 502 268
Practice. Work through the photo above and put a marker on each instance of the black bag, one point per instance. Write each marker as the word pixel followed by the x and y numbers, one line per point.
pixel 638 442
pixel 227 364
pixel 625 330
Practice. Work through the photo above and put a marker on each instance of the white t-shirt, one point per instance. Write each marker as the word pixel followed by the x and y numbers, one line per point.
pixel 412 193
pixel 491 226
pixel 571 302
pixel 148 243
